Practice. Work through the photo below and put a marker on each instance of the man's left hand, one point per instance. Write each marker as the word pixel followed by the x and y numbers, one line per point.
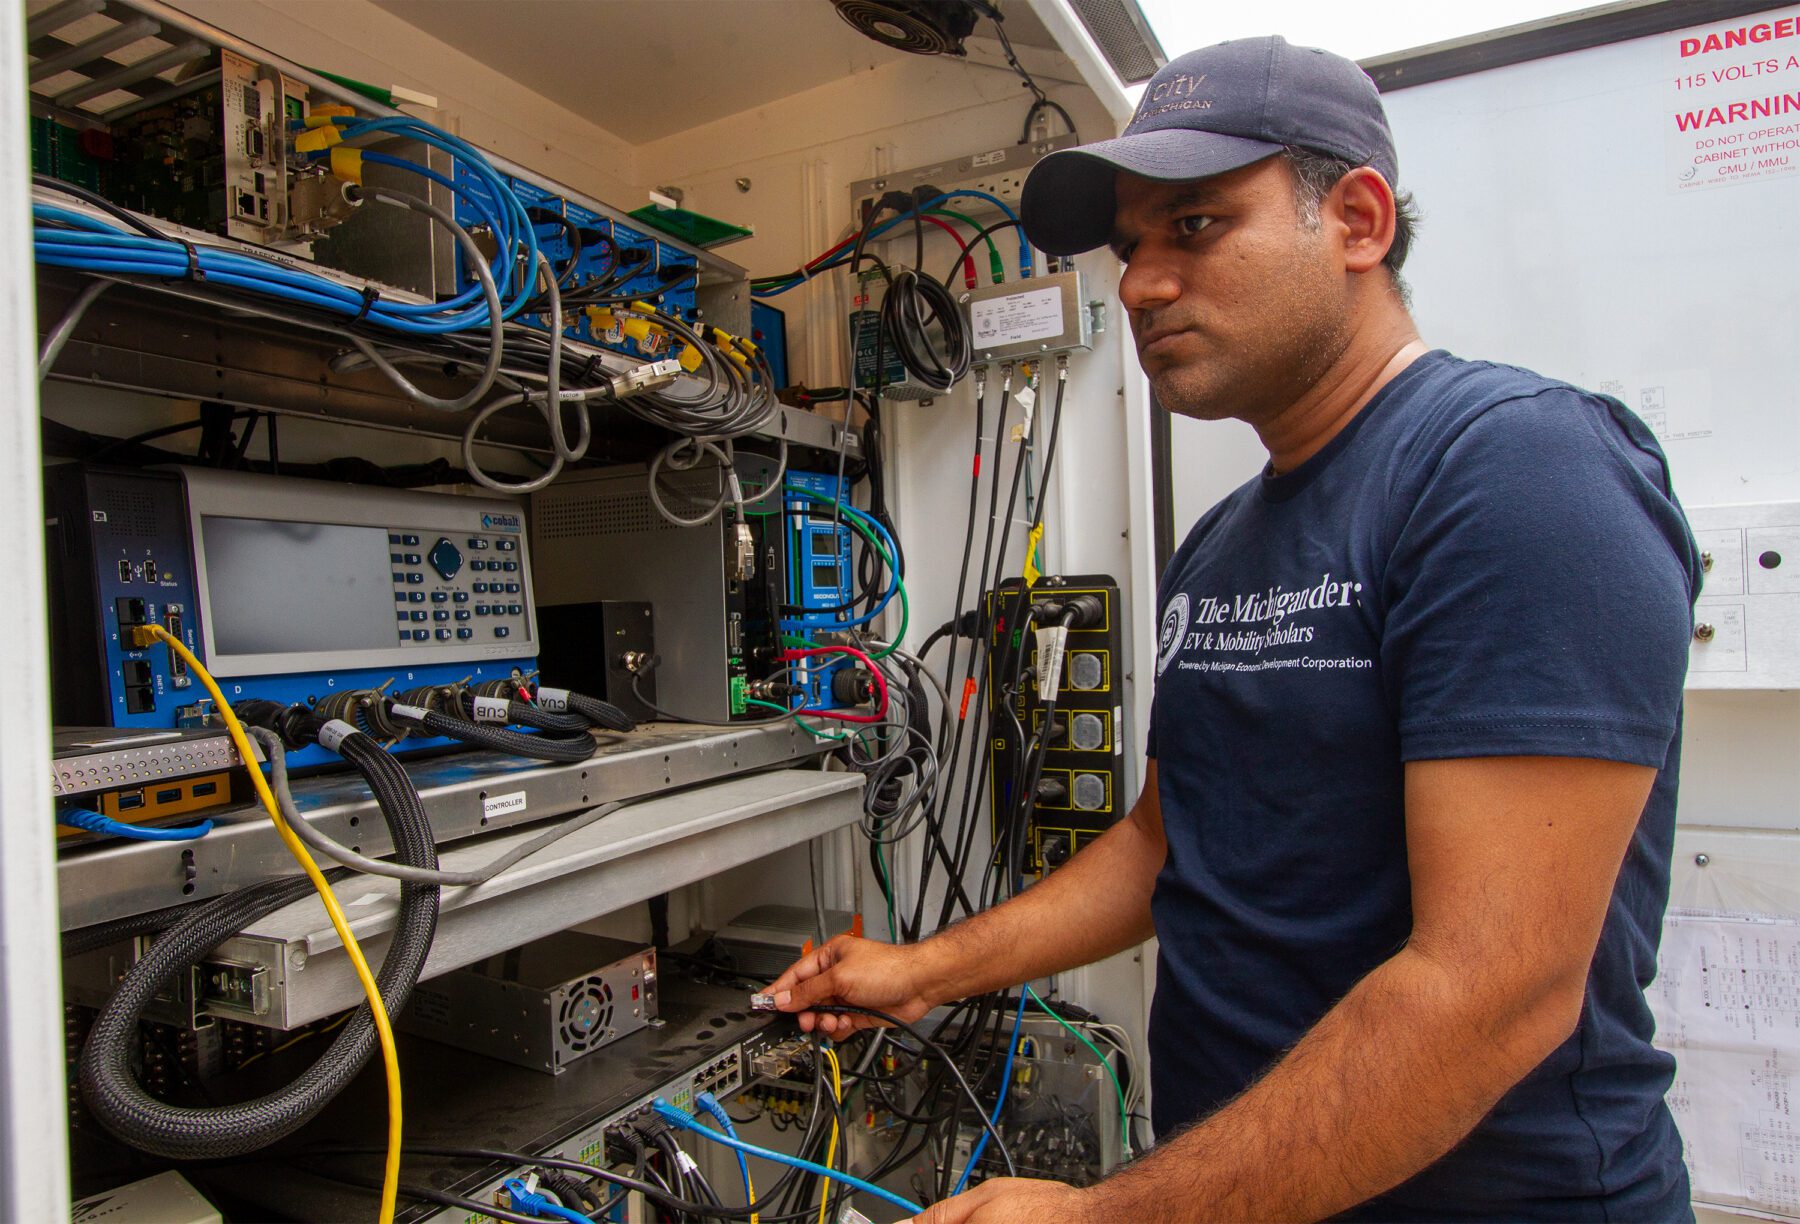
pixel 1012 1200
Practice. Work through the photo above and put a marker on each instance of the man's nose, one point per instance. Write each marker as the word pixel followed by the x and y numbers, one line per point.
pixel 1148 282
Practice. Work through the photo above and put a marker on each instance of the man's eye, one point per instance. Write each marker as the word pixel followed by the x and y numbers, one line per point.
pixel 1193 225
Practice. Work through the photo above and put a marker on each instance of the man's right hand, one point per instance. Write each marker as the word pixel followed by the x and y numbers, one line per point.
pixel 859 972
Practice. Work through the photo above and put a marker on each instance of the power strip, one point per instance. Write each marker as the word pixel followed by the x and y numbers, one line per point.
pixel 998 172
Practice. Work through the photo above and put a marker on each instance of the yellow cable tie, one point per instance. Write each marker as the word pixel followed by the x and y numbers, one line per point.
pixel 347 164
pixel 639 329
pixel 643 308
pixel 325 112
pixel 722 338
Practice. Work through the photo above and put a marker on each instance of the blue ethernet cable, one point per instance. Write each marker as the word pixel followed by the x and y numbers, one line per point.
pixel 687 1121
pixel 873 525
pixel 532 1203
pixel 710 1104
pixel 94 822
pixel 1000 1103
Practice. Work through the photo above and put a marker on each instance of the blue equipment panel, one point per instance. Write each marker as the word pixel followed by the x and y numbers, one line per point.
pixel 122 555
pixel 819 584
pixel 768 328
pixel 616 262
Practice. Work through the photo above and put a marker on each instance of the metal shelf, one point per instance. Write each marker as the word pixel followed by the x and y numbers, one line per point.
pixel 462 792
pixel 169 340
pixel 300 972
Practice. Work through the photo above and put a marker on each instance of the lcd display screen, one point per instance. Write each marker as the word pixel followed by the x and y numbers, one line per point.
pixel 278 588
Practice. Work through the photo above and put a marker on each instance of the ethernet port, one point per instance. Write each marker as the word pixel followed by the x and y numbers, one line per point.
pixel 136 671
pixel 130 610
pixel 246 204
pixel 139 699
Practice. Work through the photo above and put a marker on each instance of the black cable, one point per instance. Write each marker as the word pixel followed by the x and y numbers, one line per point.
pixel 601 713
pixel 1044 104
pixel 112 1093
pixel 498 739
pixel 913 304
pixel 99 201
pixel 425 1194
pixel 947 1061
pixel 983 232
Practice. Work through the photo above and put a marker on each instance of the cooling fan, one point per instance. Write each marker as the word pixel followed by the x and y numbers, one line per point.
pixel 586 1015
pixel 923 27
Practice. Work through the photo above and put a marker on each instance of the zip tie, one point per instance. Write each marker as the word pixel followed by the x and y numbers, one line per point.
pixel 370 295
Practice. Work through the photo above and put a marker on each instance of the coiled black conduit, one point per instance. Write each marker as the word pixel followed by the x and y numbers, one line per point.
pixel 184 1133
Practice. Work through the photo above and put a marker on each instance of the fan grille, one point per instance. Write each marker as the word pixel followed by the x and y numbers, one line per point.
pixel 585 1018
pixel 922 29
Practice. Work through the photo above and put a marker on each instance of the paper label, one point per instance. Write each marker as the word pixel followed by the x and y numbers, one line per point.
pixel 554 700
pixel 334 733
pixel 1051 643
pixel 490 709
pixel 1035 314
pixel 502 805
pixel 411 713
pixel 1727 1005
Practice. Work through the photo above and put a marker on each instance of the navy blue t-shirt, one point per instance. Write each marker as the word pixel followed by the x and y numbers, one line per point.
pixel 1484 562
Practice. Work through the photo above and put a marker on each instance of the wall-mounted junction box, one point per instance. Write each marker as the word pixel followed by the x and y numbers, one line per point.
pixel 1747 619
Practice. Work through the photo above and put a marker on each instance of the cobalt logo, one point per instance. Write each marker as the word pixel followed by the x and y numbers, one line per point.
pixel 1174 629
pixel 500 522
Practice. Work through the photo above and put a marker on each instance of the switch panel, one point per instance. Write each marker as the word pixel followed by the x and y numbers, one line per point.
pixel 1077 793
pixel 1747 619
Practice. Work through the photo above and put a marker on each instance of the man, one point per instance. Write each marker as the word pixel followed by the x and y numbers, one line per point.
pixel 1406 828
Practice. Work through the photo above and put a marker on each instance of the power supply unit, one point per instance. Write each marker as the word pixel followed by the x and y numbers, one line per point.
pixel 543 1005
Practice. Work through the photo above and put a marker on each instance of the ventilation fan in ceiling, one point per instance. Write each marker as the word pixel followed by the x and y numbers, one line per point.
pixel 923 27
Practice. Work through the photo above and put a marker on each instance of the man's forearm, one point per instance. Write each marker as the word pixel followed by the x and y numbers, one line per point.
pixel 1388 1081
pixel 1094 905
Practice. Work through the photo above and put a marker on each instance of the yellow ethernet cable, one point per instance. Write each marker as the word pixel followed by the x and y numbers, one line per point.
pixel 145 635
pixel 837 1099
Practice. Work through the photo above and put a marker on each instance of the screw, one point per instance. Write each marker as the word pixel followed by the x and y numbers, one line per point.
pixel 1701 860
pixel 1706 562
pixel 743 184
pixel 1704 633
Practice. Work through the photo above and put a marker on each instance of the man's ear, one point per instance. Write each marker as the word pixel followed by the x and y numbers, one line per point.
pixel 1363 205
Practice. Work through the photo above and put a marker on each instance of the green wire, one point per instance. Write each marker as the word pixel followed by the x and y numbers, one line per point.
pixel 887 558
pixel 995 264
pixel 1106 1065
pixel 812 731
pixel 887 888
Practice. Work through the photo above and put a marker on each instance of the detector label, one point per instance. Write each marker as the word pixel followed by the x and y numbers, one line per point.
pixel 1018 317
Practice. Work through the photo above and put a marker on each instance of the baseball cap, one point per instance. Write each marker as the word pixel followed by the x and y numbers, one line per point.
pixel 1210 111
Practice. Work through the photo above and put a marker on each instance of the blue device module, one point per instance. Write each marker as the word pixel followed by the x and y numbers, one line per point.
pixel 122 555
pixel 622 263
pixel 819 584
pixel 768 328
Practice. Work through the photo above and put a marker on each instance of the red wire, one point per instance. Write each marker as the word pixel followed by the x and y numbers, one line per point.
pixel 788 656
pixel 968 259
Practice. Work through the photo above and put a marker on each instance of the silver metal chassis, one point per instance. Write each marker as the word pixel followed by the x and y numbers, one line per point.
pixel 118 879
pixel 635 853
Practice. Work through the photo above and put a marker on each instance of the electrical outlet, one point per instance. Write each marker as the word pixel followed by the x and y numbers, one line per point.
pixel 998 172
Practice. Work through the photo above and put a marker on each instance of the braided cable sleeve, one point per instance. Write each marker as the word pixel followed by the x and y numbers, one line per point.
pixel 499 739
pixel 601 713
pixel 186 1133
pixel 521 714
